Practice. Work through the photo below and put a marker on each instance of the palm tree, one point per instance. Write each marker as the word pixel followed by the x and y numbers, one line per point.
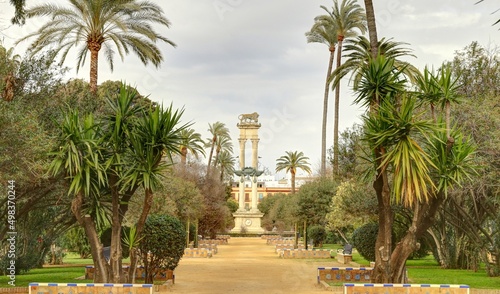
pixel 94 24
pixel 191 142
pixel 291 162
pixel 372 28
pixel 226 161
pixel 10 64
pixel 223 143
pixel 349 18
pixel 19 15
pixel 217 129
pixel 324 31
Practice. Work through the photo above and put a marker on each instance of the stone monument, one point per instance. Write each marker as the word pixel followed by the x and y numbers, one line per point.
pixel 248 221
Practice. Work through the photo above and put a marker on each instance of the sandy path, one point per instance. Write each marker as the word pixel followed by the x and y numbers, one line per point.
pixel 247 265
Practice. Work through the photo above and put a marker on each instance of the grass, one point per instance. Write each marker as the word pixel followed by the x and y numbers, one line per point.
pixel 420 271
pixel 427 271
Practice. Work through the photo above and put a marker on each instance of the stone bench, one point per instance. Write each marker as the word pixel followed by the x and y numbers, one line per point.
pixel 281 247
pixel 197 252
pixel 344 258
pixel 299 253
pixel 405 289
pixel 140 273
pixel 74 288
pixel 213 241
pixel 280 241
pixel 344 274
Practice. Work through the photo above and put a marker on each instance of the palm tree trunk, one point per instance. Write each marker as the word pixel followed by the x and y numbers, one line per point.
pixel 325 111
pixel 336 113
pixel 214 139
pixel 372 27
pixel 293 181
pixel 93 70
pixel 183 155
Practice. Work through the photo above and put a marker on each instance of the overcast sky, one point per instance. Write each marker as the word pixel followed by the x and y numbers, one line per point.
pixel 243 56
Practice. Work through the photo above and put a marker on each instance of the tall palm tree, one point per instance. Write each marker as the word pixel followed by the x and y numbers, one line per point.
pixel 349 18
pixel 191 142
pixel 223 143
pixel 226 161
pixel 324 31
pixel 217 129
pixel 372 27
pixel 94 24
pixel 291 162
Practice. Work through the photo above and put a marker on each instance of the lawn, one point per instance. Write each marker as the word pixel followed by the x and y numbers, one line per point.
pixel 428 271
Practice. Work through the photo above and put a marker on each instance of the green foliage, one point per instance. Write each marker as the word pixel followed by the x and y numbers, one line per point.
pixel 106 239
pixel 314 200
pixel 163 244
pixel 317 234
pixel 363 239
pixel 75 240
pixel 280 211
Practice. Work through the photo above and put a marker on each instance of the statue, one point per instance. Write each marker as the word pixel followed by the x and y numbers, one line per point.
pixel 249 118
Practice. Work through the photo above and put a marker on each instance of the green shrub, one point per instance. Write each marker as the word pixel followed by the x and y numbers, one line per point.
pixel 317 234
pixel 364 238
pixel 162 244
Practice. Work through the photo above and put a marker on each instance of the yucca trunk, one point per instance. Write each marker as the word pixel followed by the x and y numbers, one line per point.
pixel 101 274
pixel 115 259
pixel 134 257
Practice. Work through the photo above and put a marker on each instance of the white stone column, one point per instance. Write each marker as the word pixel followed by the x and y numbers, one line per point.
pixel 242 152
pixel 254 194
pixel 255 153
pixel 241 195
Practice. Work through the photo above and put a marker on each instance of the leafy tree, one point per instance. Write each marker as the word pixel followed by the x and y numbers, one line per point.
pixel 126 25
pixel 114 159
pixel 364 238
pixel 292 161
pixel 314 200
pixel 75 240
pixel 317 234
pixel 162 246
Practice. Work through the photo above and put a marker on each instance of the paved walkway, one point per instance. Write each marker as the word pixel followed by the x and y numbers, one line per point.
pixel 248 265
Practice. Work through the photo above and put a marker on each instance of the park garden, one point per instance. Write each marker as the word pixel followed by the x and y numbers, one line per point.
pixel 85 166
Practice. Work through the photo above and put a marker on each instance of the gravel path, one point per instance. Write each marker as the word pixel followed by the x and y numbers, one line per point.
pixel 248 265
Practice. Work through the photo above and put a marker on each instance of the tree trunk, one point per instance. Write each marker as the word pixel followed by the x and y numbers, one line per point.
pixel 115 259
pixel 336 113
pixel 372 27
pixel 183 155
pixel 101 269
pixel 293 181
pixel 148 202
pixel 187 233
pixel 93 70
pixel 214 139
pixel 325 111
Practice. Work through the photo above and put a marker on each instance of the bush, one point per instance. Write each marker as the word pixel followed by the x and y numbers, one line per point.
pixel 364 238
pixel 317 234
pixel 162 244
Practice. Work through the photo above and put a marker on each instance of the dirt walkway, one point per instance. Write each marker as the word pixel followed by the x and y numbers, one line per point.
pixel 247 265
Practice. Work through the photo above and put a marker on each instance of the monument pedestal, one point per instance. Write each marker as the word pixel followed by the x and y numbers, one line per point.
pixel 248 222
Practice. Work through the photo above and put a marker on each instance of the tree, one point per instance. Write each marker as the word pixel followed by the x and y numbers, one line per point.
pixel 225 161
pixel 217 130
pixel 395 134
pixel 324 31
pixel 19 16
pixel 191 142
pixel 348 17
pixel 126 25
pixel 291 162
pixel 314 200
pixel 162 246
pixel 115 157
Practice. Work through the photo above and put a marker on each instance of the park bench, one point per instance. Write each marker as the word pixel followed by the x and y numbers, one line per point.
pixel 344 274
pixel 197 252
pixel 161 275
pixel 281 247
pixel 300 253
pixel 405 289
pixel 73 288
pixel 344 255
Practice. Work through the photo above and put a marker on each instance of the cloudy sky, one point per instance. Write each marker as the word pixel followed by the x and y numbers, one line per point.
pixel 243 56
